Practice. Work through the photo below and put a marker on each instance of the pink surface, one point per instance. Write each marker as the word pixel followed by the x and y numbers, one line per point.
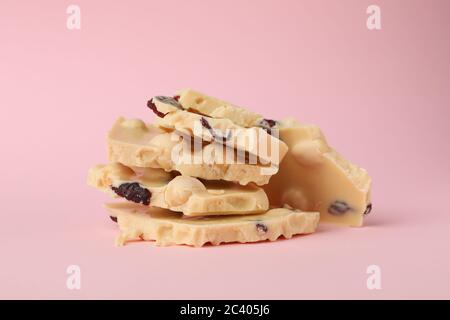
pixel 381 97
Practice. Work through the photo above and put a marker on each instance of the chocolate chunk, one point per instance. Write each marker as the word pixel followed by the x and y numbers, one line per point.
pixel 113 218
pixel 368 209
pixel 339 208
pixel 133 192
pixel 215 136
pixel 169 100
pixel 267 125
pixel 261 228
pixel 152 107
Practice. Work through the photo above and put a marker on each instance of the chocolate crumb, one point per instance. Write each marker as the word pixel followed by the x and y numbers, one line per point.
pixel 133 192
pixel 113 218
pixel 368 209
pixel 338 208
pixel 261 228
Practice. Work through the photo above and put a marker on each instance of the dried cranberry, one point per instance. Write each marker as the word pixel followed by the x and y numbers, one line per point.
pixel 270 122
pixel 176 98
pixel 113 218
pixel 133 192
pixel 261 228
pixel 215 136
pixel 205 123
pixel 169 100
pixel 338 208
pixel 368 209
pixel 152 107
pixel 267 125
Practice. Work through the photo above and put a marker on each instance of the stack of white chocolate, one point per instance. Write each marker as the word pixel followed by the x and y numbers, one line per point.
pixel 207 171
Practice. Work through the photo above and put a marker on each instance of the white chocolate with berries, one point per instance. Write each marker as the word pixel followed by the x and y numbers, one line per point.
pixel 136 144
pixel 315 177
pixel 157 188
pixel 258 142
pixel 216 108
pixel 169 228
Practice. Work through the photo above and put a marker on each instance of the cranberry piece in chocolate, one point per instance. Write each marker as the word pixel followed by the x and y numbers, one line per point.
pixel 113 218
pixel 368 209
pixel 216 136
pixel 270 123
pixel 267 125
pixel 339 208
pixel 169 100
pixel 261 228
pixel 152 107
pixel 176 98
pixel 133 192
pixel 205 123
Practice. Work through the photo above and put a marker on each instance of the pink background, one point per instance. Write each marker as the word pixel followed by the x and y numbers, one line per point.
pixel 381 97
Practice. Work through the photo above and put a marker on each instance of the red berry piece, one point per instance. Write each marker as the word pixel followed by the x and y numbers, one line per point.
pixel 152 107
pixel 267 125
pixel 368 209
pixel 133 192
pixel 339 208
pixel 205 124
pixel 261 227
pixel 169 100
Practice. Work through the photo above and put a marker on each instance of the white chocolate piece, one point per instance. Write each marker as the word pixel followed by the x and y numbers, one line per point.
pixel 216 108
pixel 181 193
pixel 266 148
pixel 314 177
pixel 169 228
pixel 136 144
